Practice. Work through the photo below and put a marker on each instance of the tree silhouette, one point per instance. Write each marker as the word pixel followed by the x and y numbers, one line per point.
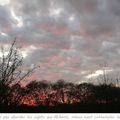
pixel 16 94
pixel 11 71
pixel 85 93
pixel 59 84
pixel 38 89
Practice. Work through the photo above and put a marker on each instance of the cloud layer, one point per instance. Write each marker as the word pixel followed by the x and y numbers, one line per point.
pixel 69 39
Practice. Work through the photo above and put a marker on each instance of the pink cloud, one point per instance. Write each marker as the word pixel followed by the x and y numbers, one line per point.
pixel 56 30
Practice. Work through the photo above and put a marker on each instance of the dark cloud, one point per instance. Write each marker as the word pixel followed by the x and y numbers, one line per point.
pixel 6 20
pixel 66 37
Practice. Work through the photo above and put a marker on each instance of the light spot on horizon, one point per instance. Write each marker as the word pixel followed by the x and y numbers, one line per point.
pixel 95 74
pixel 98 73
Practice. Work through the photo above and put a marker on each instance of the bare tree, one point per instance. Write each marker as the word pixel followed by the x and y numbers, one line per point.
pixel 11 71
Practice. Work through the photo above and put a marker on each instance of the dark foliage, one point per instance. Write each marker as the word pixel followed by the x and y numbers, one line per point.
pixel 66 97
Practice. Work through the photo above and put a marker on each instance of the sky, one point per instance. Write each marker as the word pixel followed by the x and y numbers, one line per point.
pixel 72 40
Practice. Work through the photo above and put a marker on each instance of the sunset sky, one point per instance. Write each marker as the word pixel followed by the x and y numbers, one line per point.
pixel 69 39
